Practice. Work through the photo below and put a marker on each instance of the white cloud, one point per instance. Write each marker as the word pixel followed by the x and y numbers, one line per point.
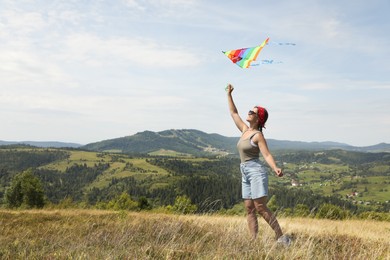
pixel 27 68
pixel 18 23
pixel 134 4
pixel 96 51
pixel 161 9
pixel 316 86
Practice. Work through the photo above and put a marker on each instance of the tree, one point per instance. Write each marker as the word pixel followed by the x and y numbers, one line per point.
pixel 143 203
pixel 122 202
pixel 183 205
pixel 26 190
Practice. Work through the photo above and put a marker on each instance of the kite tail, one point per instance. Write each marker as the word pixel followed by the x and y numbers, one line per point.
pixel 270 62
pixel 283 43
pixel 266 62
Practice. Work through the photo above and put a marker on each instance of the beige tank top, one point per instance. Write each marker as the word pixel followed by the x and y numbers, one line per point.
pixel 247 149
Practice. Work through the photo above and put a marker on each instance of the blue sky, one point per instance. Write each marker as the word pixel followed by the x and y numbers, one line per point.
pixel 86 71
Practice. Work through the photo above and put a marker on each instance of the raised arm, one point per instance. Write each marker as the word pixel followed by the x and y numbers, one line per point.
pixel 233 110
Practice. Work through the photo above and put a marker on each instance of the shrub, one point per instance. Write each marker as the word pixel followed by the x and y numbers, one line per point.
pixel 272 204
pixel 371 215
pixel 330 211
pixel 301 210
pixel 183 205
pixel 122 202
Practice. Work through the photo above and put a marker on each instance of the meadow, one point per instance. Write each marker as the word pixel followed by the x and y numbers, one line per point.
pixel 98 234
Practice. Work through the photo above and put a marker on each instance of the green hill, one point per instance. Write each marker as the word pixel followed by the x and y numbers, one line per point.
pixel 190 142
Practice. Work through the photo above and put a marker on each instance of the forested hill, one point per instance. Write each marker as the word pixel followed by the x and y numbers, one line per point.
pixel 195 142
pixel 192 142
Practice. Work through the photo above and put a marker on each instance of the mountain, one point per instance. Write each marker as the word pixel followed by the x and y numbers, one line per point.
pixel 47 144
pixel 382 147
pixel 192 142
pixel 184 141
pixel 195 142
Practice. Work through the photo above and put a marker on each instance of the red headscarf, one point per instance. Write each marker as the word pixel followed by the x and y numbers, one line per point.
pixel 262 114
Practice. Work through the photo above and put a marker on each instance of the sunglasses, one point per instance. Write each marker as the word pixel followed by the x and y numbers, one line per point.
pixel 251 112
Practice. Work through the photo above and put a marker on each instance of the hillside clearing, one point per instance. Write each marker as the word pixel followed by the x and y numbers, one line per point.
pixel 94 234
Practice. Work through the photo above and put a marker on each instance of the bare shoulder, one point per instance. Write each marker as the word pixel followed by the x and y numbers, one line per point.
pixel 259 137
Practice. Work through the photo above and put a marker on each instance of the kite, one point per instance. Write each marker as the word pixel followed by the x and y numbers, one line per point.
pixel 244 57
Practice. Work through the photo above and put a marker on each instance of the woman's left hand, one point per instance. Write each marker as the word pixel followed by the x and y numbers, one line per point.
pixel 279 172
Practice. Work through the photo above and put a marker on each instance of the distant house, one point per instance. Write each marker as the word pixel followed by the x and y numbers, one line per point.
pixel 294 183
pixel 353 194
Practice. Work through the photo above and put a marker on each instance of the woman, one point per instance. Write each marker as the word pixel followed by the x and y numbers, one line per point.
pixel 254 175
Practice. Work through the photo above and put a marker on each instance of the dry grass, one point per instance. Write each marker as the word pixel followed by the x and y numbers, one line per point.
pixel 93 234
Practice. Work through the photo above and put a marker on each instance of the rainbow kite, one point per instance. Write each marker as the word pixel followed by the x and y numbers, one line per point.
pixel 244 57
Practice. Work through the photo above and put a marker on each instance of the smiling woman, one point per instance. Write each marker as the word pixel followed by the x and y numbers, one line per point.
pixel 254 175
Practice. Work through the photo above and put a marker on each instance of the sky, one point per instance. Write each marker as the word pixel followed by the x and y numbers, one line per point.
pixel 85 71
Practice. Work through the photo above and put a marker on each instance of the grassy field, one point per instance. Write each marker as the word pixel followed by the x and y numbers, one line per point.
pixel 93 234
pixel 118 166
